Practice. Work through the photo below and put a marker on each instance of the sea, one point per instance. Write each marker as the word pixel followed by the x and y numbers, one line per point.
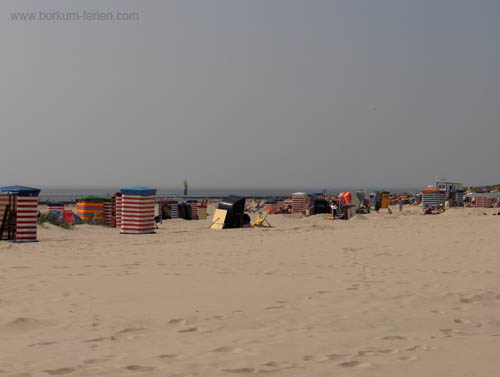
pixel 70 194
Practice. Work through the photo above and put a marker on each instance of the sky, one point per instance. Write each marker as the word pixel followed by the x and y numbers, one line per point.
pixel 251 93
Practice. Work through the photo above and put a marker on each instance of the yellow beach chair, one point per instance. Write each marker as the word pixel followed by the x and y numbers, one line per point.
pixel 261 222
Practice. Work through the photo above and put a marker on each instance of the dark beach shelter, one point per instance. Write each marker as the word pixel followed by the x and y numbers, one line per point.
pixel 194 208
pixel 456 198
pixel 319 206
pixel 235 207
pixel 184 210
pixel 168 209
pixel 138 210
pixel 18 213
pixel 316 195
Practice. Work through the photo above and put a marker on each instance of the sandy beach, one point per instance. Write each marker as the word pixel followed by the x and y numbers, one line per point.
pixel 380 295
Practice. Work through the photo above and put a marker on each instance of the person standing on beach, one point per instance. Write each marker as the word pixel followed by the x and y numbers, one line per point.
pixel 400 202
pixel 378 201
pixel 334 208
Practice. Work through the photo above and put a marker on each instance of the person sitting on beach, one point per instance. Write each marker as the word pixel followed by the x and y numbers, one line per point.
pixel 440 209
pixel 245 221
pixel 366 204
pixel 427 210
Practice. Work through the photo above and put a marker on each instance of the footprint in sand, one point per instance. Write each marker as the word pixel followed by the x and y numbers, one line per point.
pixel 376 352
pixel 418 348
pixel 60 371
pixel 408 358
pixel 42 344
pixel 275 366
pixel 354 364
pixel 189 329
pixel 349 364
pixel 139 368
pixel 94 361
pixel 100 339
pixel 447 332
pixel 129 330
pixel 325 358
pixel 168 356
pixel 228 349
pixel 486 297
pixel 239 370
pixel 272 364
pixel 177 321
pixel 393 337
pixel 22 324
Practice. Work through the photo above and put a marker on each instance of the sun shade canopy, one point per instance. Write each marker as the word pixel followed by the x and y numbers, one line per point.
pixel 93 199
pixel 20 190
pixel 140 191
pixel 233 203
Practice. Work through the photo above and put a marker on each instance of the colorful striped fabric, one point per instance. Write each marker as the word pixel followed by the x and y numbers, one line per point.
pixel 90 210
pixel 299 202
pixel 113 211
pixel 138 214
pixel 55 206
pixel 194 210
pixel 484 202
pixel 433 198
pixel 174 210
pixel 118 213
pixel 26 221
pixel 202 212
pixel 107 212
pixel 346 198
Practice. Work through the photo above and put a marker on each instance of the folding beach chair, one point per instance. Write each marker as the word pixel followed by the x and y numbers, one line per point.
pixel 261 222
pixel 219 219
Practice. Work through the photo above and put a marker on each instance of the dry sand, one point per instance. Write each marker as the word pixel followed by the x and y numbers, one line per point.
pixel 380 295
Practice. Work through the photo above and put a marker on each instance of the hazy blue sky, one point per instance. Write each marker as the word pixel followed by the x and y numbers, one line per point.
pixel 252 93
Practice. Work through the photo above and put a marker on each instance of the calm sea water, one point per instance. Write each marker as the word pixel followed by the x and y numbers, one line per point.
pixel 69 194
